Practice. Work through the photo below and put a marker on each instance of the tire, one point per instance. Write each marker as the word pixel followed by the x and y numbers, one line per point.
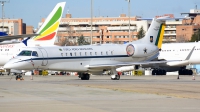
pixel 190 72
pixel 17 77
pixel 117 77
pixel 87 76
pixel 154 72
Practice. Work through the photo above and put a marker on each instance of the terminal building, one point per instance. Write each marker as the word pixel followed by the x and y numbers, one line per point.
pixel 104 29
pixel 15 27
pixel 188 27
pixel 111 29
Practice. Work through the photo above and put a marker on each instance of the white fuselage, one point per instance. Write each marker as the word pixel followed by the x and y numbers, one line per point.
pixel 8 51
pixel 78 58
pixel 179 51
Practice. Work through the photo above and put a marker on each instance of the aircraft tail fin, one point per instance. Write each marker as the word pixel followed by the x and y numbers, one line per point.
pixel 155 33
pixel 48 31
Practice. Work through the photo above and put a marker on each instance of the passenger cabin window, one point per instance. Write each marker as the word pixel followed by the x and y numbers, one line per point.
pixel 74 54
pixel 34 53
pixel 71 54
pixel 85 53
pixel 80 53
pixel 61 54
pixel 66 54
pixel 106 53
pixel 112 52
pixel 25 53
pixel 101 53
pixel 91 53
pixel 95 53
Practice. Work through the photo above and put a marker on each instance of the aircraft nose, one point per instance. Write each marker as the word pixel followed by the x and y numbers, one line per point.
pixel 9 65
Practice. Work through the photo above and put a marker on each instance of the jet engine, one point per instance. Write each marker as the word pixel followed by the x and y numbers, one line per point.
pixel 141 50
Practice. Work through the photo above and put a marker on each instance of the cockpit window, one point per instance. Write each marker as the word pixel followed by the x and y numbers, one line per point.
pixel 34 53
pixel 25 53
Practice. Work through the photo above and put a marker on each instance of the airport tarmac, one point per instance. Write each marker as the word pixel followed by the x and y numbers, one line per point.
pixel 100 94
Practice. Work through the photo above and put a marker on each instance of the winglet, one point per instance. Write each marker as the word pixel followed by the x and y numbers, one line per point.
pixel 189 55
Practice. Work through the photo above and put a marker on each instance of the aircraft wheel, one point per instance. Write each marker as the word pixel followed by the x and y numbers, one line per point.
pixel 190 72
pixel 87 76
pixel 17 77
pixel 164 72
pixel 180 72
pixel 117 77
pixel 154 72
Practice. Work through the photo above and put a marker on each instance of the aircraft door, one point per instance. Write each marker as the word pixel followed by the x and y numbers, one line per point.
pixel 45 55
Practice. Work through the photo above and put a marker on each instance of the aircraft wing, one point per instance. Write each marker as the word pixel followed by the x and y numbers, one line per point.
pixel 10 37
pixel 128 64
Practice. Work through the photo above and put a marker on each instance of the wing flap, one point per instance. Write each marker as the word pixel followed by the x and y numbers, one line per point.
pixel 129 64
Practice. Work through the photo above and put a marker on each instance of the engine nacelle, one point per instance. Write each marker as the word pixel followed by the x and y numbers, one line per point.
pixel 141 50
pixel 178 63
pixel 125 68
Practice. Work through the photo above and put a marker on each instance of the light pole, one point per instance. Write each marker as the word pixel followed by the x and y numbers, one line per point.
pixel 2 3
pixel 129 19
pixel 91 22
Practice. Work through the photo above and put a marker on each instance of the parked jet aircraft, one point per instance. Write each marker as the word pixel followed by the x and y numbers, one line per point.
pixel 188 53
pixel 93 58
pixel 184 53
pixel 47 34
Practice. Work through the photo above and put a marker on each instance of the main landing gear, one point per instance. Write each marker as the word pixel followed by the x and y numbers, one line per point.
pixel 84 76
pixel 115 77
pixel 158 72
pixel 185 72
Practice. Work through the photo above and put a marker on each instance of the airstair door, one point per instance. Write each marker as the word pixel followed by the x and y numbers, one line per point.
pixel 45 56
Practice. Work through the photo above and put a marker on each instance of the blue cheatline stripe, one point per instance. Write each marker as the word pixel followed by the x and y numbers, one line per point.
pixel 77 57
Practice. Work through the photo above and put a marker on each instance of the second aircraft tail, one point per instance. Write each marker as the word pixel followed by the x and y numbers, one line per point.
pixel 48 31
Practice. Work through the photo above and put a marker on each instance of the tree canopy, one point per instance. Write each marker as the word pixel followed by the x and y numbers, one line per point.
pixel 196 36
pixel 141 33
pixel 81 41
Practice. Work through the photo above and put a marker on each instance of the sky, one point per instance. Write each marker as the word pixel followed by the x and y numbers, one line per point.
pixel 32 11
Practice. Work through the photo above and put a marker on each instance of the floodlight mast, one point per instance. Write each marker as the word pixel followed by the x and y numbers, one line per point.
pixel 2 4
